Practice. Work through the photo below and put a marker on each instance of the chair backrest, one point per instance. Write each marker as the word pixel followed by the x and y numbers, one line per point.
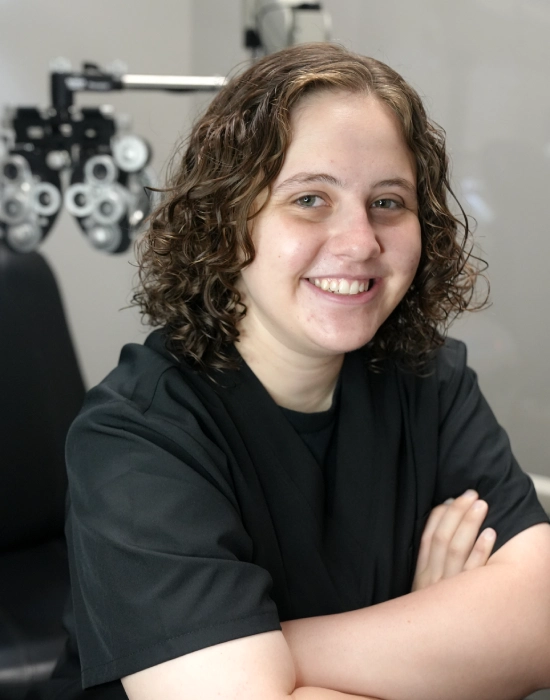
pixel 41 391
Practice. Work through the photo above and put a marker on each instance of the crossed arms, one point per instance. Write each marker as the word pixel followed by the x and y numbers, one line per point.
pixel 471 628
pixel 483 634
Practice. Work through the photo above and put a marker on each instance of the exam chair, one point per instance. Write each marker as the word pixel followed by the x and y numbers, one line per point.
pixel 41 391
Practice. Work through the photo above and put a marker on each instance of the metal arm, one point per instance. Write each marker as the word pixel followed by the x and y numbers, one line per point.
pixel 65 83
pixel 178 83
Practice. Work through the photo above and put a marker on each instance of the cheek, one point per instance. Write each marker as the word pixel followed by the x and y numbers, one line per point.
pixel 414 250
pixel 406 255
pixel 414 260
pixel 285 250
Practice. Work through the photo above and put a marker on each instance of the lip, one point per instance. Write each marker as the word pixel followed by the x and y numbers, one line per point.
pixel 346 299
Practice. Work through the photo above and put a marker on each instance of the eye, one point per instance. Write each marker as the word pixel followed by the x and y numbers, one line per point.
pixel 309 201
pixel 386 204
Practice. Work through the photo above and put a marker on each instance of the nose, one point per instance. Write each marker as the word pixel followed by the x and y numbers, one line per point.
pixel 355 237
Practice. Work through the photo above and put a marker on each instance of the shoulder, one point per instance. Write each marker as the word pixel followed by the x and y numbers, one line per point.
pixel 139 376
pixel 450 360
pixel 148 381
pixel 444 372
pixel 426 396
pixel 446 367
pixel 449 382
pixel 150 407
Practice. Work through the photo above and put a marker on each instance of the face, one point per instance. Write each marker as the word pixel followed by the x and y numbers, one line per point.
pixel 338 242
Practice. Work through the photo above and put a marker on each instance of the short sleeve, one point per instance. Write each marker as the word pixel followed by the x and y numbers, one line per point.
pixel 161 564
pixel 475 452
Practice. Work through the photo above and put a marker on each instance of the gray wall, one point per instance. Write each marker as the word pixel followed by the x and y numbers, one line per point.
pixel 482 66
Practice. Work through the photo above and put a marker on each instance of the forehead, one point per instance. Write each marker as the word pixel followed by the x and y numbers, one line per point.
pixel 366 108
pixel 351 132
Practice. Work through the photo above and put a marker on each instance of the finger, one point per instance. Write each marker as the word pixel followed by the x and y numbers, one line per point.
pixel 427 534
pixel 421 575
pixel 445 532
pixel 464 539
pixel 482 550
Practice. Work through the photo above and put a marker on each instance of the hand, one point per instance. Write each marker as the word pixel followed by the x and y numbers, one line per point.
pixel 450 542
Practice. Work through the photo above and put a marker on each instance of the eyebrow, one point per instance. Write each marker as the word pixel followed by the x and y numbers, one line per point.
pixel 305 178
pixel 398 182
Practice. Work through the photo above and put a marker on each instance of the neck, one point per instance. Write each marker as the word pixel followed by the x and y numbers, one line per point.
pixel 294 381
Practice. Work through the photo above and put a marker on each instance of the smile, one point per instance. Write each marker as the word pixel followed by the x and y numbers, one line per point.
pixel 342 286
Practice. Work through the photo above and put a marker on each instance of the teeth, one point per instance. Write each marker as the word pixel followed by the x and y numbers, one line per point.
pixel 341 286
pixel 344 287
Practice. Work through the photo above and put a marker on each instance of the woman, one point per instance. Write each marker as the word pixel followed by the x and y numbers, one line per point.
pixel 272 454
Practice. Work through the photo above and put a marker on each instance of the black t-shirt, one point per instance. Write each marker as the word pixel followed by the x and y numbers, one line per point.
pixel 316 430
pixel 198 515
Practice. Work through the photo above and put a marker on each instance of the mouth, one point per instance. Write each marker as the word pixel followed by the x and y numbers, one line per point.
pixel 342 286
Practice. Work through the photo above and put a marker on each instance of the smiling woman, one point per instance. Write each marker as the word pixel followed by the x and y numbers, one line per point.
pixel 233 161
pixel 297 471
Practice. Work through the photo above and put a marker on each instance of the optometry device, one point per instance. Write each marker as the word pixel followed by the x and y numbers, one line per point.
pixel 88 161
pixel 83 159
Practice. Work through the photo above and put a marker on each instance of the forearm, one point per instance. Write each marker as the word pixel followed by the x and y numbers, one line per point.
pixel 480 634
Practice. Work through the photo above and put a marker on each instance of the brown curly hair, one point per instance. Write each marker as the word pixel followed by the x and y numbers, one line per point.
pixel 199 240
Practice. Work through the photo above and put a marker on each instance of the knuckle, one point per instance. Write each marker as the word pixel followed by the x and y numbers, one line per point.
pixel 441 538
pixel 438 510
pixel 426 539
pixel 455 549
pixel 458 506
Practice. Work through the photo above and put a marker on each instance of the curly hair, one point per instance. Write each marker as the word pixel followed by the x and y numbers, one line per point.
pixel 198 239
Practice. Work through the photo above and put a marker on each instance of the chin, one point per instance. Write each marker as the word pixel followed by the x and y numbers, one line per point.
pixel 338 338
pixel 343 345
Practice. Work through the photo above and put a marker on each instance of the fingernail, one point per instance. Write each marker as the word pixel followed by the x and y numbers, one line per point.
pixel 449 500
pixel 489 534
pixel 470 493
pixel 479 505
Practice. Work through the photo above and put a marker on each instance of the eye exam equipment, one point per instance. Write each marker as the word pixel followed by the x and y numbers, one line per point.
pixel 88 161
pixel 80 158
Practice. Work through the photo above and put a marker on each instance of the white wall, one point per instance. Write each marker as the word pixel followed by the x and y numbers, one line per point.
pixel 482 66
